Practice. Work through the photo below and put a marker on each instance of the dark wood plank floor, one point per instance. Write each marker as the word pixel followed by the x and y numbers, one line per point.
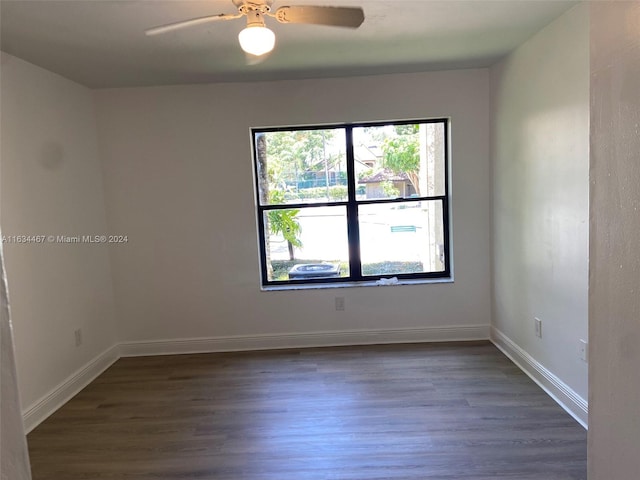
pixel 426 411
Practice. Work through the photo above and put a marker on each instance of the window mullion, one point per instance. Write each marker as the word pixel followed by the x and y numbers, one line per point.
pixel 262 242
pixel 446 232
pixel 353 229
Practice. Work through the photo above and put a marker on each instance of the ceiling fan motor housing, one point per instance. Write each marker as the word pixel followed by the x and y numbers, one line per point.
pixel 256 39
pixel 255 18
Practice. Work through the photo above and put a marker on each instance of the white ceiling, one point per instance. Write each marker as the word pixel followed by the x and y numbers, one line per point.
pixel 100 43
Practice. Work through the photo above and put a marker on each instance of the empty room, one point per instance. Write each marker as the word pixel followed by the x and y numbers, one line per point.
pixel 320 239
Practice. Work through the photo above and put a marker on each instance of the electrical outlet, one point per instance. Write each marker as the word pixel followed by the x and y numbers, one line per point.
pixel 339 304
pixel 538 324
pixel 584 350
pixel 78 334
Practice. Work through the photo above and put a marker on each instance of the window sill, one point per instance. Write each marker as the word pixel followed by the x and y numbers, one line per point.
pixel 372 283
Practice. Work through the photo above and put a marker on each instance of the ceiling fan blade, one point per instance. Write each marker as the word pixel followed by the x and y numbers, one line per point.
pixel 351 17
pixel 190 23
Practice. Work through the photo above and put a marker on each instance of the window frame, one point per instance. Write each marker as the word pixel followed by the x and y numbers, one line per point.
pixel 351 208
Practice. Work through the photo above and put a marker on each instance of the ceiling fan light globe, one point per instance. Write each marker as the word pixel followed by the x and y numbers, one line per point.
pixel 257 40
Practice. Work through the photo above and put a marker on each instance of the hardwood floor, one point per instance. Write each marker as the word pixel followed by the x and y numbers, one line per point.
pixel 424 411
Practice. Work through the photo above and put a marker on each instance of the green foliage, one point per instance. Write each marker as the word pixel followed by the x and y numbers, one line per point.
pixel 402 153
pixel 411 129
pixel 292 153
pixel 365 174
pixel 336 192
pixel 284 222
pixel 276 196
pixel 280 154
pixel 391 268
pixel 389 190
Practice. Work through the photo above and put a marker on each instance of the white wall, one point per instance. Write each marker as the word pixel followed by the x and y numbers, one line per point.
pixel 614 307
pixel 51 185
pixel 179 183
pixel 540 174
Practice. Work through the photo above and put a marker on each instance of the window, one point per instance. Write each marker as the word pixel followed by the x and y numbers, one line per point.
pixel 352 203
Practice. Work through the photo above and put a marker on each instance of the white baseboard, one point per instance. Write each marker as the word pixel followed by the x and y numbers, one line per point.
pixel 52 401
pixel 58 396
pixel 301 340
pixel 566 397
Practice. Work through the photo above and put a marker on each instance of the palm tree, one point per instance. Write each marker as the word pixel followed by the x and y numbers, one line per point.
pixel 285 222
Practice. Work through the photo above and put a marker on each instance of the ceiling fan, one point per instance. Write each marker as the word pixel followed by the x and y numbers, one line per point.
pixel 256 39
